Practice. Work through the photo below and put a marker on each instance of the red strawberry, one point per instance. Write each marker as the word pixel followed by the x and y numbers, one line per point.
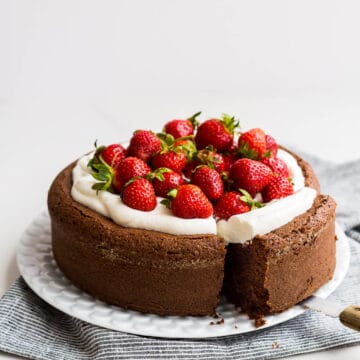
pixel 210 158
pixel 107 155
pixel 252 144
pixel 113 154
pixel 139 194
pixel 277 188
pixel 144 144
pixel 128 168
pixel 230 204
pixel 209 181
pixel 164 181
pixel 190 202
pixel 250 175
pixel 172 159
pixel 278 166
pixel 229 159
pixel 216 132
pixel 189 168
pixel 181 128
pixel 271 145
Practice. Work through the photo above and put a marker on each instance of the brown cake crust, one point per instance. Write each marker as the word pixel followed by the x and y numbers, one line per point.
pixel 311 179
pixel 142 270
pixel 275 271
pixel 165 274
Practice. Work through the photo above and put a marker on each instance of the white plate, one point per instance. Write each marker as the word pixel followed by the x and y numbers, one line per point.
pixel 38 268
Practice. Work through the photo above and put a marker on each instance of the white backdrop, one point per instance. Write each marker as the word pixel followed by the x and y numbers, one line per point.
pixel 73 71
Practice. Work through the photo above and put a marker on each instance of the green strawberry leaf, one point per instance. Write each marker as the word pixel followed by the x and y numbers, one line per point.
pixel 245 152
pixel 189 148
pixel 166 141
pixel 95 159
pixel 166 202
pixel 172 193
pixel 248 199
pixel 103 173
pixel 267 154
pixel 230 123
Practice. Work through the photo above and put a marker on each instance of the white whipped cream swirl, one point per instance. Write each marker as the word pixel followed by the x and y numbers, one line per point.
pixel 237 229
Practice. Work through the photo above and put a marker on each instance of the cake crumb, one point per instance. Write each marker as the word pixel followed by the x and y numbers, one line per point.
pixel 219 322
pixel 275 345
pixel 259 322
pixel 235 326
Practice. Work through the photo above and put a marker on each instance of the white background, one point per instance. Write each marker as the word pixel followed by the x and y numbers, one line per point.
pixel 74 71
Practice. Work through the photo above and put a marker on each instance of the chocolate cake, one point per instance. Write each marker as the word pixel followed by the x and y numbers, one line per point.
pixel 141 270
pixel 277 270
pixel 166 274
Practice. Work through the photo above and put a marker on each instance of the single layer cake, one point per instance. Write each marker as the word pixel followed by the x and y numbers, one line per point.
pixel 173 273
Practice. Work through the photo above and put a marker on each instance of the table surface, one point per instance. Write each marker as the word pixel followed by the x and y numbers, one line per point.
pixel 72 72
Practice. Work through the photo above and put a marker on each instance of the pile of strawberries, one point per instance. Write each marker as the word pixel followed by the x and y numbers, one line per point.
pixel 199 169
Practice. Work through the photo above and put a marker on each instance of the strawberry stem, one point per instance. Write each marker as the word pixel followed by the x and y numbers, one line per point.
pixel 158 174
pixel 193 120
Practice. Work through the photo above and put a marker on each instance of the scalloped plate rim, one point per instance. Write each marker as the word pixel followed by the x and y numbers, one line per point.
pixel 113 317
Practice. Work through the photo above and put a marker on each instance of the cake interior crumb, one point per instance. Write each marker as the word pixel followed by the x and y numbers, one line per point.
pixel 260 322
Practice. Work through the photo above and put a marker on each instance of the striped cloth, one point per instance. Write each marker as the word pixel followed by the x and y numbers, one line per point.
pixel 31 328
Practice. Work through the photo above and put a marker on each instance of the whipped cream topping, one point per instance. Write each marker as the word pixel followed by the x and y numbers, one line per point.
pixel 237 229
pixel 244 227
pixel 295 171
pixel 110 205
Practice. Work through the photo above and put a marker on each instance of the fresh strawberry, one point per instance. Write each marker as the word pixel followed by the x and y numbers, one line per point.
pixel 189 169
pixel 250 175
pixel 230 204
pixel 144 144
pixel 278 166
pixel 277 188
pixel 164 180
pixel 128 168
pixel 229 158
pixel 172 159
pixel 180 128
pixel 139 194
pixel 188 201
pixel 216 132
pixel 211 158
pixel 209 181
pixel 271 145
pixel 113 154
pixel 186 145
pixel 252 144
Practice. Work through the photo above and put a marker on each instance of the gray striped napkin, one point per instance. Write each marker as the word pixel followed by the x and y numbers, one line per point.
pixel 31 328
